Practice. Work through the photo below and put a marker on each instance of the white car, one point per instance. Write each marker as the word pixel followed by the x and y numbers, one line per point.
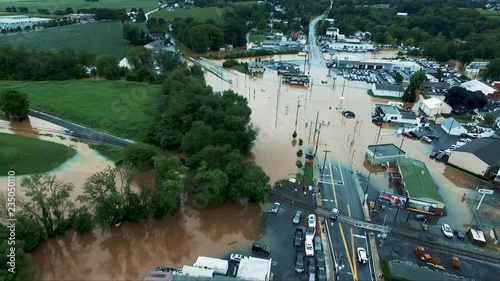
pixel 362 257
pixel 309 248
pixel 236 257
pixel 311 220
pixel 446 229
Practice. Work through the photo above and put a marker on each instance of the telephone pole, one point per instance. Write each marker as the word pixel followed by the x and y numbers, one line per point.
pixel 316 126
pixel 317 142
pixel 324 162
pixel 297 115
pixel 277 102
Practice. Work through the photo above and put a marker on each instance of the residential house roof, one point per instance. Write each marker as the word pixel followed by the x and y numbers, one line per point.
pixel 476 85
pixel 388 109
pixel 488 150
pixel 418 180
pixel 434 103
pixel 450 123
pixel 390 87
pixel 439 85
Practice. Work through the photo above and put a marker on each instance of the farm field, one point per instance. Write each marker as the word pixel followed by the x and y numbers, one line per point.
pixel 27 156
pixel 99 38
pixel 198 14
pixel 490 14
pixel 121 108
pixel 52 5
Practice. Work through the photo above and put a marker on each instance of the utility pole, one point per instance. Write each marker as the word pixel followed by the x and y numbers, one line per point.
pixel 317 142
pixel 324 162
pixel 342 96
pixel 277 103
pixel 316 126
pixel 297 115
pixel 309 137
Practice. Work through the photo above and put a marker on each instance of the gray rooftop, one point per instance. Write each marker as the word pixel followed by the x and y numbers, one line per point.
pixel 386 149
pixel 388 109
pixel 488 150
pixel 408 115
pixel 389 87
pixel 438 85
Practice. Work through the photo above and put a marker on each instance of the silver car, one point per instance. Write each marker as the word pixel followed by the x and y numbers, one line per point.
pixel 296 218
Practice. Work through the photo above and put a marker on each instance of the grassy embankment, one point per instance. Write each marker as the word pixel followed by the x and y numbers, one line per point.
pixel 99 38
pixel 121 108
pixel 25 155
pixel 52 5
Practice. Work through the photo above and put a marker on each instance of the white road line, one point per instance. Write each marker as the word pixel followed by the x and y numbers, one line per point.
pixel 359 236
pixel 371 259
pixel 340 168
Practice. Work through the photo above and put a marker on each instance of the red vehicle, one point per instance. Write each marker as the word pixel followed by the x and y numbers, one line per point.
pixel 408 135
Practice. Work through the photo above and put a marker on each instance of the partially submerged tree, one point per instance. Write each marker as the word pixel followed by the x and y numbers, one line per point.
pixel 14 103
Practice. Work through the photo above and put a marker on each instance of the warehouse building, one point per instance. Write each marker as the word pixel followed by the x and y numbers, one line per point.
pixel 390 65
pixel 7 22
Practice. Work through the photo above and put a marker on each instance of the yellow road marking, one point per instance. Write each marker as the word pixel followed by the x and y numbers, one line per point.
pixel 346 248
pixel 354 269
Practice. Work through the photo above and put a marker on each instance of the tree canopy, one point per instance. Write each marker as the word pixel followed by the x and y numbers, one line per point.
pixel 461 99
pixel 492 70
pixel 14 102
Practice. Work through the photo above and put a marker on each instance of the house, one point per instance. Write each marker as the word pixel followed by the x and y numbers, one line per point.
pixel 480 157
pixel 388 90
pixel 392 114
pixel 256 67
pixel 452 127
pixel 434 106
pixel 419 187
pixel 476 85
pixel 379 154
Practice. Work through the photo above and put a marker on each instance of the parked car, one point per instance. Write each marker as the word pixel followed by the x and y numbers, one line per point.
pixel 362 257
pixel 276 208
pixel 296 218
pixel 416 134
pixel 311 265
pixel 321 274
pixel 311 231
pixel 459 234
pixel 429 128
pixel 317 243
pixel 261 248
pixel 309 248
pixel 446 229
pixel 299 262
pixel 433 154
pixel 334 213
pixel 236 257
pixel 312 277
pixel 320 260
pixel 299 236
pixel 311 220
pixel 422 217
pixel 348 114
pixel 408 135
pixel 426 139
pixel 433 137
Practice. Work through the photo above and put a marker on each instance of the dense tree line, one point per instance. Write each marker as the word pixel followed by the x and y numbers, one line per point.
pixel 134 35
pixel 443 32
pixel 461 99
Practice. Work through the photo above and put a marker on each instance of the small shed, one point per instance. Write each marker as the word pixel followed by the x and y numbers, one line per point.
pixel 476 237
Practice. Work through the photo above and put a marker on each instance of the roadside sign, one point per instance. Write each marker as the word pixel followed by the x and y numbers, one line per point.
pixel 485 191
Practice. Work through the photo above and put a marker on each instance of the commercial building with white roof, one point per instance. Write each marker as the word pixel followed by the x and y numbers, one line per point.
pixel 21 21
pixel 254 269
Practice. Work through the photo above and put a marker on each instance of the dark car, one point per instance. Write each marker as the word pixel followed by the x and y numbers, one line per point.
pixel 261 248
pixel 433 154
pixel 416 134
pixel 429 128
pixel 464 135
pixel 299 262
pixel 348 114
pixel 320 260
pixel 317 244
pixel 459 234
pixel 311 266
pixel 321 274
pixel 408 135
pixel 300 233
pixel 422 217
pixel 433 137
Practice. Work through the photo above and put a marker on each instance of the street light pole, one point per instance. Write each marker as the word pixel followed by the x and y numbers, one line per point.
pixel 297 115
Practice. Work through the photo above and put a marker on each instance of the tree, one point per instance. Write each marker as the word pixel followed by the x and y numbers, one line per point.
pixel 294 135
pixel 48 202
pixel 301 142
pixel 204 36
pixel 107 66
pixel 298 163
pixel 492 71
pixel 19 269
pixel 14 103
pixel 197 138
pixel 410 94
pixel 140 155
pixel 398 77
pixel 138 57
pixel 140 17
pixel 69 10
pixel 489 119
pixel 439 74
pixel 211 186
pixel 85 58
pixel 300 153
pixel 81 220
pixel 417 79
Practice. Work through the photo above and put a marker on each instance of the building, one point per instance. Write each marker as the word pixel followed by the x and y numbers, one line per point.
pixel 480 157
pixel 80 16
pixel 419 187
pixel 22 21
pixel 196 271
pixel 452 127
pixel 390 65
pixel 379 154
pixel 256 67
pixel 393 114
pixel 476 85
pixel 254 269
pixel 347 46
pixel 434 106
pixel 219 266
pixel 388 90
pixel 473 69
pixel 438 87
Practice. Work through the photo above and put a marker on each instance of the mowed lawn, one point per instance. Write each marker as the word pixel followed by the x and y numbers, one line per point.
pixel 52 5
pixel 198 14
pixel 25 155
pixel 121 108
pixel 98 38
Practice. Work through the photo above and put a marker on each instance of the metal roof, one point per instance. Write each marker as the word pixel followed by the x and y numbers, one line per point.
pixel 483 149
pixel 418 180
pixel 389 87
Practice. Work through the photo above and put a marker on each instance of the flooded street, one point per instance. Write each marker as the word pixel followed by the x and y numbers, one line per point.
pixel 129 251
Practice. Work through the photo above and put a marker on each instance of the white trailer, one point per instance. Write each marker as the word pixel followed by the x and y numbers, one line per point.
pixel 219 266
pixel 196 271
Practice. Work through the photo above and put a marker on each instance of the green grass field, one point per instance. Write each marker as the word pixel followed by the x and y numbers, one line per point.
pixel 98 38
pixel 490 14
pixel 112 153
pixel 25 155
pixel 120 108
pixel 199 14
pixel 52 5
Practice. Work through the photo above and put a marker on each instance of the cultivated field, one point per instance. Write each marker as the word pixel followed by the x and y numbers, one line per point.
pixel 490 14
pixel 198 14
pixel 52 5
pixel 120 108
pixel 98 38
pixel 27 156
